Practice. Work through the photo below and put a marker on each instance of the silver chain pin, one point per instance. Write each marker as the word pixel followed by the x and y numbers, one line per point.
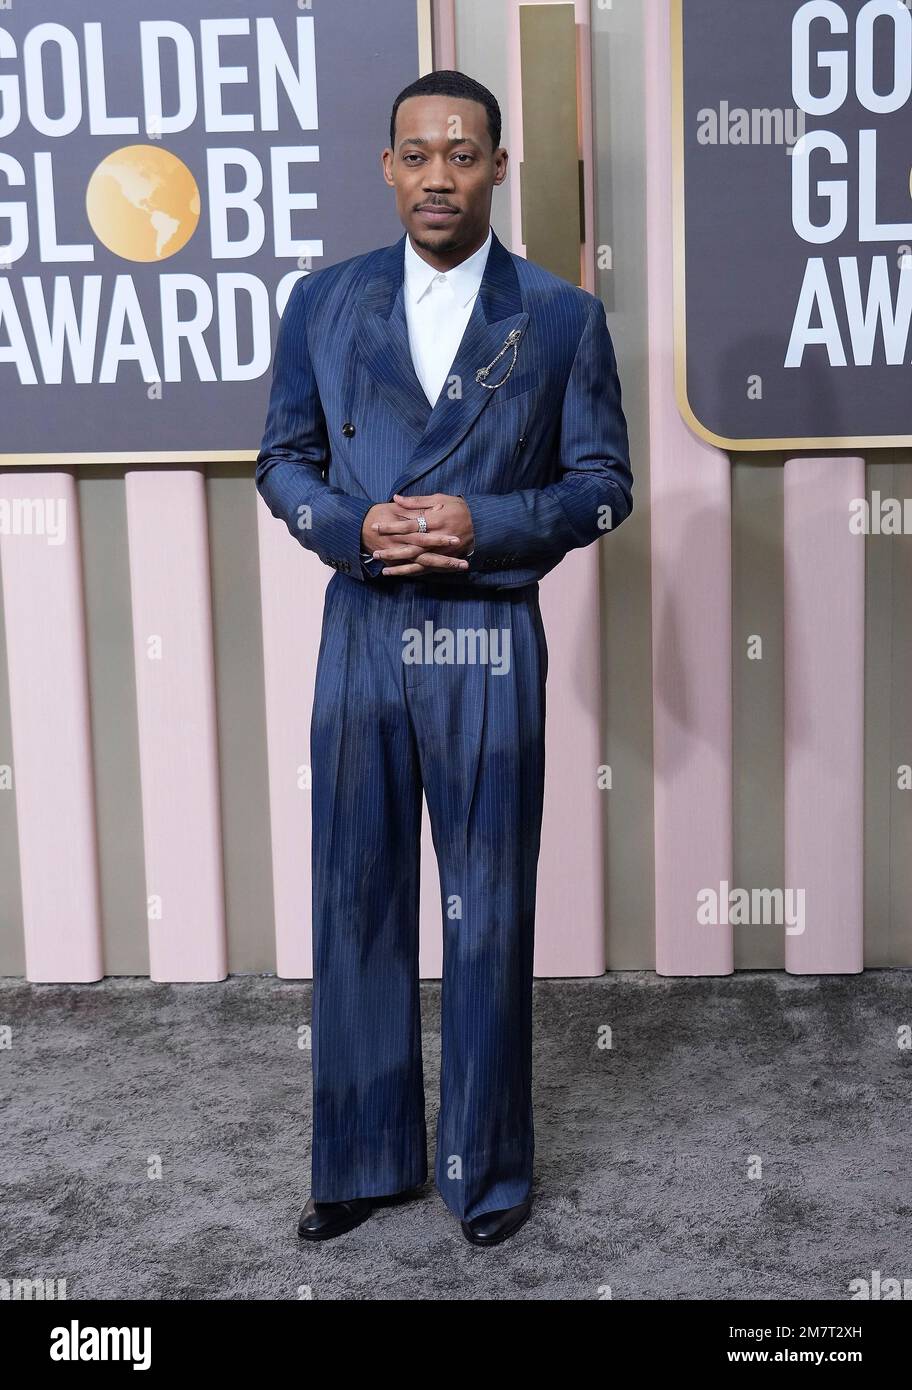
pixel 511 341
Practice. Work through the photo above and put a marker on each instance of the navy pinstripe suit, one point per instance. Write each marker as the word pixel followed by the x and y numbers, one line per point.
pixel 543 464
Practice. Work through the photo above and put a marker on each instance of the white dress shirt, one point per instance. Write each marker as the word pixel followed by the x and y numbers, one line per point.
pixel 438 306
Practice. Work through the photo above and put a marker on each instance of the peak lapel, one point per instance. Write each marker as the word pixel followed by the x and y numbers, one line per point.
pixel 382 342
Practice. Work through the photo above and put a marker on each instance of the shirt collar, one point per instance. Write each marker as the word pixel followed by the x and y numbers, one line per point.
pixel 464 279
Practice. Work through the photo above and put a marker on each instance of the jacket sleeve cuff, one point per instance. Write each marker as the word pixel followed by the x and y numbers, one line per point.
pixel 499 522
pixel 339 543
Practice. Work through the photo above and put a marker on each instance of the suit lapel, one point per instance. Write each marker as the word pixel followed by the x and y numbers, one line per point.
pixel 381 338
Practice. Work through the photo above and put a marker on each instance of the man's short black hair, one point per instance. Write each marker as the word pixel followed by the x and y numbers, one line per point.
pixel 451 84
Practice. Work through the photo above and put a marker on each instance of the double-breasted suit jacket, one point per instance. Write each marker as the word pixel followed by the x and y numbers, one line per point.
pixel 542 462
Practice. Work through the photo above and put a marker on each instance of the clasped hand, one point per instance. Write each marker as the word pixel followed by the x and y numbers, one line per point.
pixel 443 545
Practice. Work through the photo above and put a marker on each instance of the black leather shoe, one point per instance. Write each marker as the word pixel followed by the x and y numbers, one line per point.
pixel 492 1227
pixel 323 1220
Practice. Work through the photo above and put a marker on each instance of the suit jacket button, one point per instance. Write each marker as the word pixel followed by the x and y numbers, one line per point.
pixel 348 429
pixel 521 441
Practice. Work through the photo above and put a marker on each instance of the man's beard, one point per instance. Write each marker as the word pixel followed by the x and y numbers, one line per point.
pixel 452 243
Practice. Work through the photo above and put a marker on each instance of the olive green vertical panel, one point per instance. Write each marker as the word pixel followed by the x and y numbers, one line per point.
pixel 12 935
pixel 240 703
pixel 626 609
pixel 888 724
pixel 112 702
pixel 552 228
pixel 758 768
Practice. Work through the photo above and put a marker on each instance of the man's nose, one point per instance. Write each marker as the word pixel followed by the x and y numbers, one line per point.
pixel 438 176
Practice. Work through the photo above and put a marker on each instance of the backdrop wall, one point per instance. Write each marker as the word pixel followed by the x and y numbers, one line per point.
pixel 724 767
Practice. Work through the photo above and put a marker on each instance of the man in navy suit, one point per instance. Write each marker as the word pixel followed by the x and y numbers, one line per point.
pixel 445 424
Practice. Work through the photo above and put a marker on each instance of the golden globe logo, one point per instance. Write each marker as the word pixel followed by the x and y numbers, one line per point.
pixel 143 203
pixel 236 77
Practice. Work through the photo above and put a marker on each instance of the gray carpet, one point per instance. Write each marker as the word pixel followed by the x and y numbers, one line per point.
pixel 643 1151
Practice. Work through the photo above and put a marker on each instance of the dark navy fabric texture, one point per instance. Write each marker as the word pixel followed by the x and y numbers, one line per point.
pixel 543 465
pixel 470 736
pixel 543 462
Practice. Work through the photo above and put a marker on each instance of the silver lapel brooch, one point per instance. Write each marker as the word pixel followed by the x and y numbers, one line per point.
pixel 511 341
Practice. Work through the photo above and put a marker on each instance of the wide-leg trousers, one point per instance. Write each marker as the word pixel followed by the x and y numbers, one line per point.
pixel 403 702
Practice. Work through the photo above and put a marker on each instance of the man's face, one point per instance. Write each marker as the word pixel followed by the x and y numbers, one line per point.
pixel 444 172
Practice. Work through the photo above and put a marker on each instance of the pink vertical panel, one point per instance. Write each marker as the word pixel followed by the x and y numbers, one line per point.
pixel 175 691
pixel 570 916
pixel 690 495
pixel 292 584
pixel 430 955
pixel 824 714
pixel 444 20
pixel 49 706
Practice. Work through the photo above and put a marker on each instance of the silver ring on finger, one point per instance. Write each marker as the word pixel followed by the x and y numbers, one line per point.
pixel 422 523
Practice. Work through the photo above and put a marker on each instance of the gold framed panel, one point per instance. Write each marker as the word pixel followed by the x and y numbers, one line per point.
pixel 196 456
pixel 856 442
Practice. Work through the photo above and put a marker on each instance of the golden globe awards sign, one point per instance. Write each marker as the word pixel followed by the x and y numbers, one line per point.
pixel 793 221
pixel 168 169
